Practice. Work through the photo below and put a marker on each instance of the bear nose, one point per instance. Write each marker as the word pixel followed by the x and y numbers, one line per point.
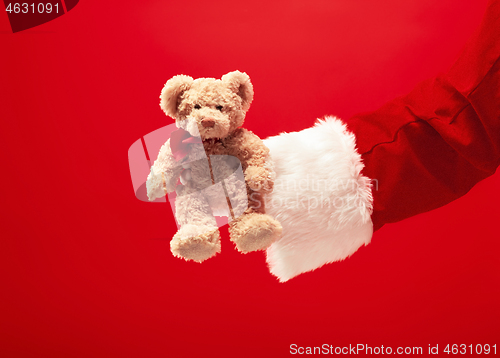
pixel 207 122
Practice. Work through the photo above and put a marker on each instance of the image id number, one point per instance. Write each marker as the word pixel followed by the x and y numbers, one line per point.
pixel 24 8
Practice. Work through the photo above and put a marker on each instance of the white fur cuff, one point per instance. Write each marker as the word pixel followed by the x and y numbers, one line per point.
pixel 320 198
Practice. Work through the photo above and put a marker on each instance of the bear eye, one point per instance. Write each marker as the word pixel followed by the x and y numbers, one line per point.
pixel 197 106
pixel 219 108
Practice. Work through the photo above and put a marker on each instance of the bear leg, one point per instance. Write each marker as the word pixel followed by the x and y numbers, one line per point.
pixel 254 231
pixel 198 237
pixel 197 248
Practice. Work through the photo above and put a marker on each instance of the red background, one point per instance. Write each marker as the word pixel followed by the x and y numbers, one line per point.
pixel 86 268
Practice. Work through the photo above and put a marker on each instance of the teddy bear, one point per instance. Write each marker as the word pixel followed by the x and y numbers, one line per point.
pixel 219 164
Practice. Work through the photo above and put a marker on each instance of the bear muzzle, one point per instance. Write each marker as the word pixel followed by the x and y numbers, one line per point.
pixel 207 123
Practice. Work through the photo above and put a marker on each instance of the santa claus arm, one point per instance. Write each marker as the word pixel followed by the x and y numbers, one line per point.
pixel 432 146
pixel 334 184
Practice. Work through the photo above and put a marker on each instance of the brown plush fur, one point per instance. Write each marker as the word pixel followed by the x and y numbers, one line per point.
pixel 222 103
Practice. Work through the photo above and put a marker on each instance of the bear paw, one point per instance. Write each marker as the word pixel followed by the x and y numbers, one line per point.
pixel 197 248
pixel 257 178
pixel 254 231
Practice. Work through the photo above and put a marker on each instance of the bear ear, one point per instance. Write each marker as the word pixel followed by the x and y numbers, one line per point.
pixel 239 82
pixel 170 93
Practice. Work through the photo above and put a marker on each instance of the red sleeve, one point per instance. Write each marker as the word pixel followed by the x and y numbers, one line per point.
pixel 432 146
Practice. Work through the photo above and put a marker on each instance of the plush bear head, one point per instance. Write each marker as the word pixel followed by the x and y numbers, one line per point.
pixel 208 107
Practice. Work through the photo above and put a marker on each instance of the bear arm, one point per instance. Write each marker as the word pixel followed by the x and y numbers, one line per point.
pixel 253 154
pixel 164 174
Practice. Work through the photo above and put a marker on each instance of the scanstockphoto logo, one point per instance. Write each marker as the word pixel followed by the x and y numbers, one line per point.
pixel 25 15
pixel 318 193
pixel 192 181
pixel 189 180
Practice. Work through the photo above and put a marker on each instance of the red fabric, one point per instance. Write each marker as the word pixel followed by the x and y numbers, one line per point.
pixel 180 143
pixel 433 145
